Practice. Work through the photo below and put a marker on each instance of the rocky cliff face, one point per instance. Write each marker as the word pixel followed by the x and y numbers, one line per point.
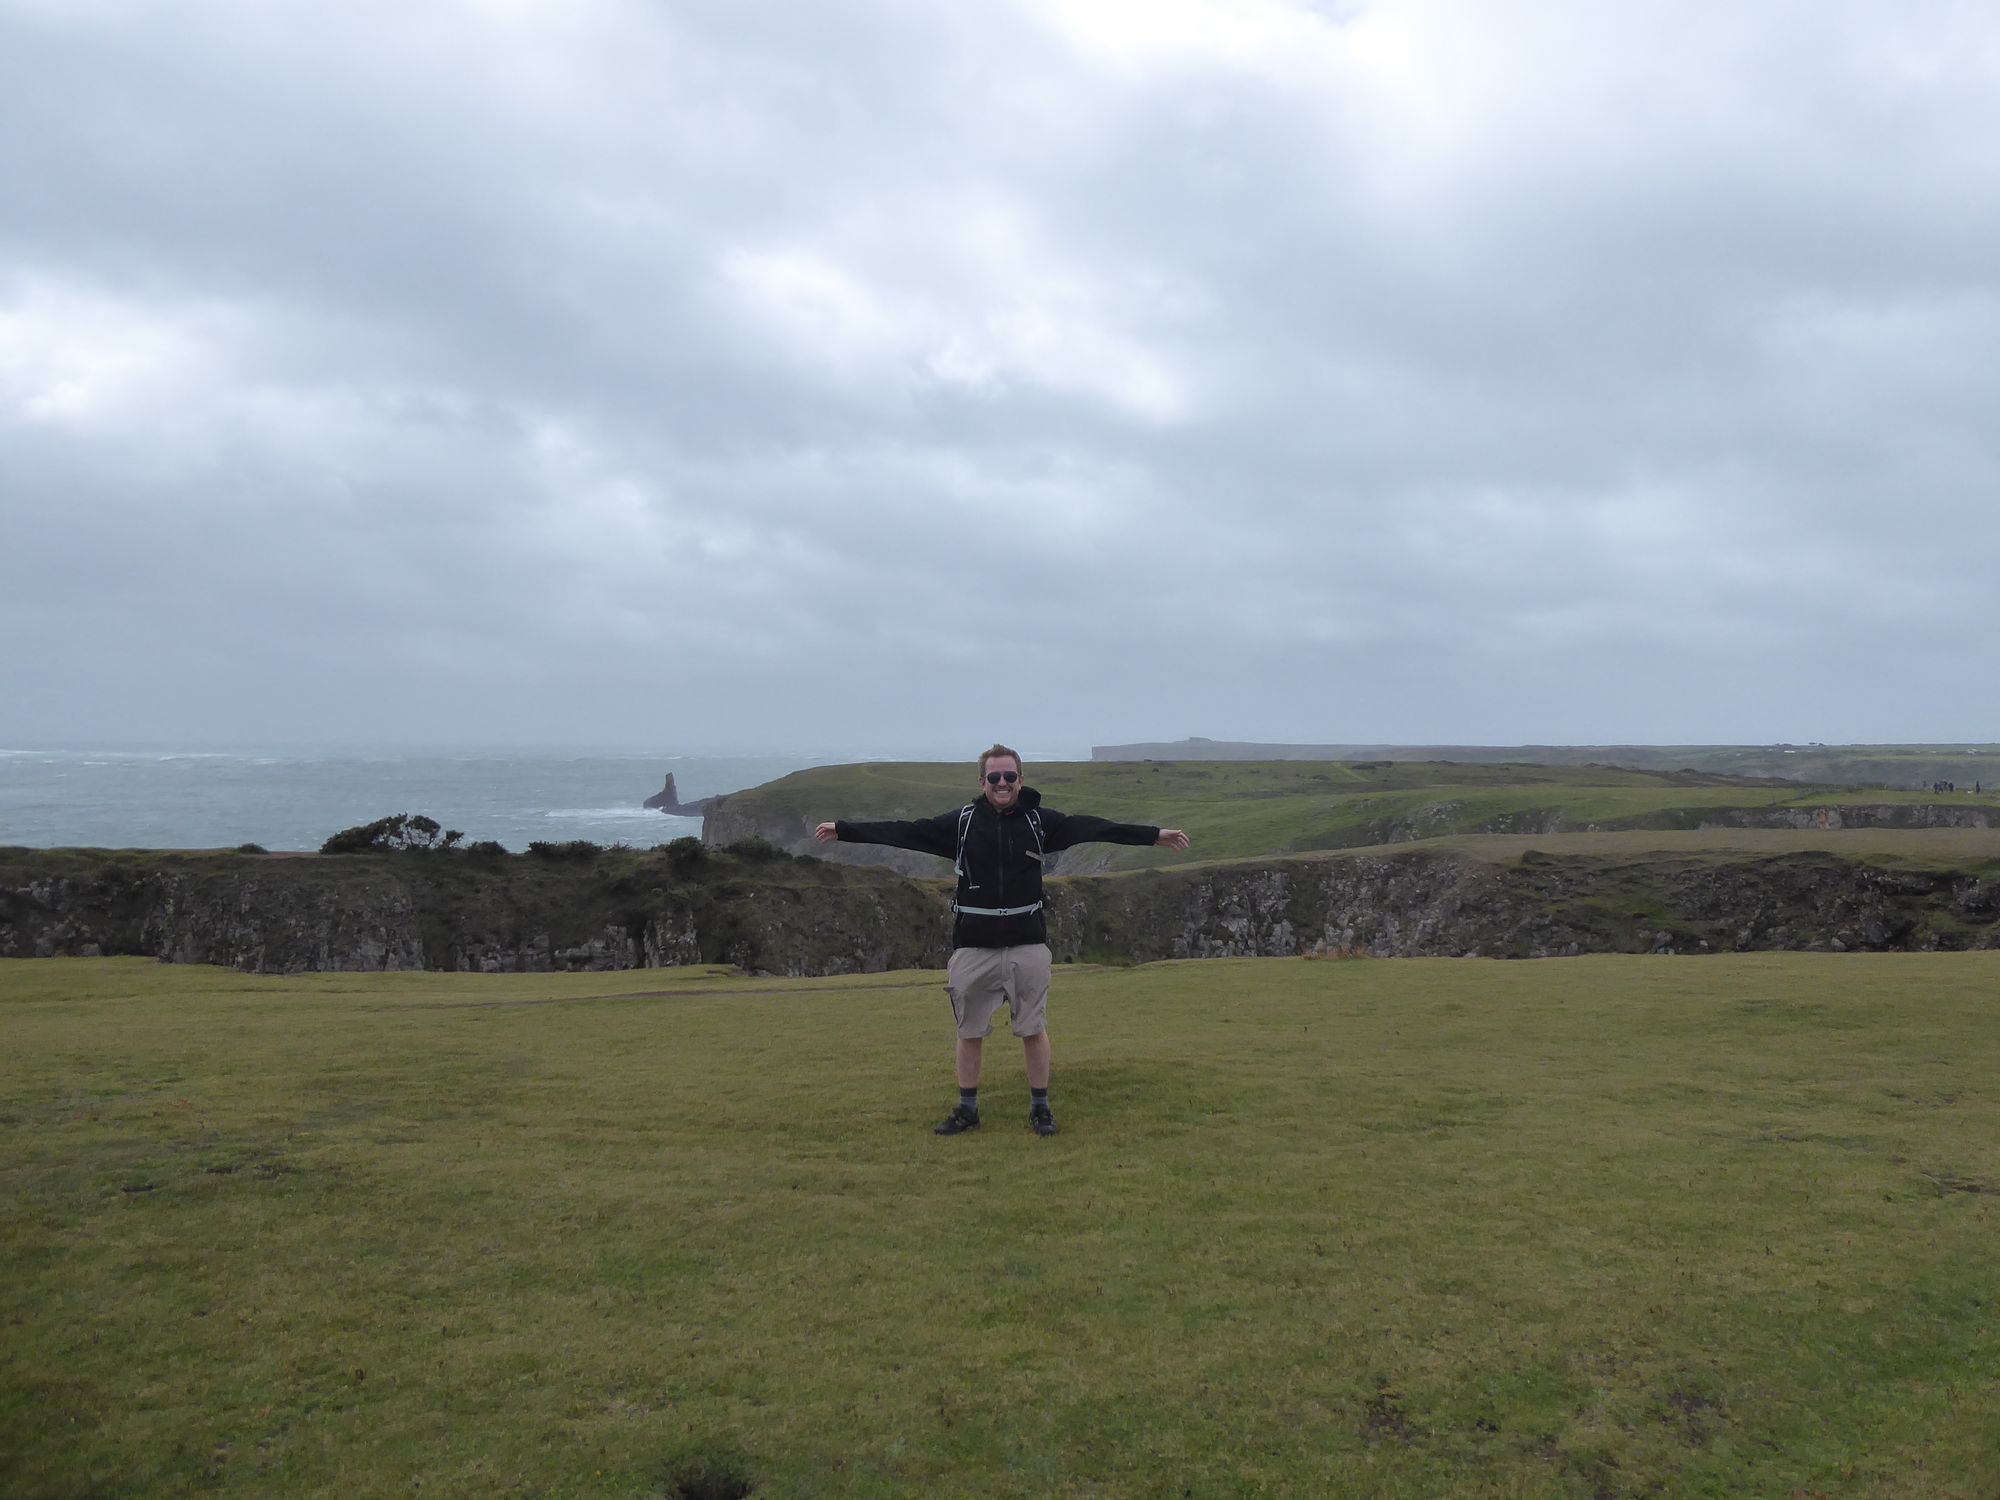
pixel 1424 904
pixel 448 911
pixel 1882 815
pixel 779 915
pixel 1441 818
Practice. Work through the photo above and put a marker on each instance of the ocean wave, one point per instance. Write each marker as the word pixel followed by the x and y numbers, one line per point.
pixel 613 814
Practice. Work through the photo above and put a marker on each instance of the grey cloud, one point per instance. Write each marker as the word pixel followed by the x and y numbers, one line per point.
pixel 723 375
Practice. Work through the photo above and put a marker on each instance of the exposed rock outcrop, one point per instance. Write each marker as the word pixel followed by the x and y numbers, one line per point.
pixel 782 915
pixel 1423 903
pixel 1855 815
pixel 668 800
pixel 449 911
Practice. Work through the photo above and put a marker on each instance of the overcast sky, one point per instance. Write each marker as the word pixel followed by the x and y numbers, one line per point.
pixel 711 375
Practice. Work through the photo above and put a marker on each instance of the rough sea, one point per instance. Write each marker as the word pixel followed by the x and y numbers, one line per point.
pixel 290 800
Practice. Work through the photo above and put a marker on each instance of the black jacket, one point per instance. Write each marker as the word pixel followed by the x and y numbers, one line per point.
pixel 1003 863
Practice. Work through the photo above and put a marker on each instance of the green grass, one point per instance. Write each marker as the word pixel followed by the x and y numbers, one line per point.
pixel 1253 809
pixel 1601 1227
pixel 1896 765
pixel 1970 849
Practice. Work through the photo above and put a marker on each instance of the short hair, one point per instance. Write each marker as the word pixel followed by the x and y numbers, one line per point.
pixel 999 750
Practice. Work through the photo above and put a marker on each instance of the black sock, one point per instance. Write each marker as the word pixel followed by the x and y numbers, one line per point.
pixel 969 1098
pixel 1038 1095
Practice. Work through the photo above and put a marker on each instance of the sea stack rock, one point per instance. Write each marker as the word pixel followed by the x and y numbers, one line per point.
pixel 668 800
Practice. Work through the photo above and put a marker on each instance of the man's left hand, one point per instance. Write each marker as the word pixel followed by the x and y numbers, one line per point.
pixel 1172 838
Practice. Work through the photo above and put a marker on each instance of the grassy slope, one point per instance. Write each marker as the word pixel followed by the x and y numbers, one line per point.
pixel 1970 849
pixel 1250 809
pixel 1893 765
pixel 1607 1227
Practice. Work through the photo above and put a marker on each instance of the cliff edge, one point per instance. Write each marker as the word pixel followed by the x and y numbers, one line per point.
pixel 761 910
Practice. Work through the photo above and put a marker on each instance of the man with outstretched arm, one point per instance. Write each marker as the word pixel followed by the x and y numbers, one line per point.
pixel 999 941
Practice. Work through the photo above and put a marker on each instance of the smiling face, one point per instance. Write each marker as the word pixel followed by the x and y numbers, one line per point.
pixel 1004 792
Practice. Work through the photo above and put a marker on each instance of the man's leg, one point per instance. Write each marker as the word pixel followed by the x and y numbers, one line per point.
pixel 965 1114
pixel 1030 980
pixel 971 1049
pixel 1034 1051
pixel 972 977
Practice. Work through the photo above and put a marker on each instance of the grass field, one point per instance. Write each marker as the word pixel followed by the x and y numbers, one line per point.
pixel 1593 1228
pixel 1910 766
pixel 1254 809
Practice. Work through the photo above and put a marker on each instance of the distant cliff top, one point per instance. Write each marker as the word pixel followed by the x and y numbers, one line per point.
pixel 1907 766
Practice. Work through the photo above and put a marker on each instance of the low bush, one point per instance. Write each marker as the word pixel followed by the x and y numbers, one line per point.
pixel 577 849
pixel 394 834
pixel 685 853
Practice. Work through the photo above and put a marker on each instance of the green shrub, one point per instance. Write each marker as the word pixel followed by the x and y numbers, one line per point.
pixel 578 849
pixel 486 849
pixel 393 834
pixel 686 853
pixel 251 849
pixel 756 849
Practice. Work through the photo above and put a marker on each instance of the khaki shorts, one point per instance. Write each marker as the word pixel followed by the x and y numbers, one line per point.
pixel 978 979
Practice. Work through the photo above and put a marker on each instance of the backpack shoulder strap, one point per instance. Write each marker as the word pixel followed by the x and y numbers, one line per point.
pixel 964 822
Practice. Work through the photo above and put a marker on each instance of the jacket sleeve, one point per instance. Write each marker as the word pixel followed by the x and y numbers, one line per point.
pixel 1067 830
pixel 937 835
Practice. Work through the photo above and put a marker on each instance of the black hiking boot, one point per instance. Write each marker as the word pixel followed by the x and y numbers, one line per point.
pixel 1042 1118
pixel 959 1119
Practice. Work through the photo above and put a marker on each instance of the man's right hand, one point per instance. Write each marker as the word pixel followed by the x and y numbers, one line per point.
pixel 827 833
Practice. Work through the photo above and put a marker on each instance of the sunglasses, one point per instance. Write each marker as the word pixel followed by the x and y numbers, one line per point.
pixel 994 778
